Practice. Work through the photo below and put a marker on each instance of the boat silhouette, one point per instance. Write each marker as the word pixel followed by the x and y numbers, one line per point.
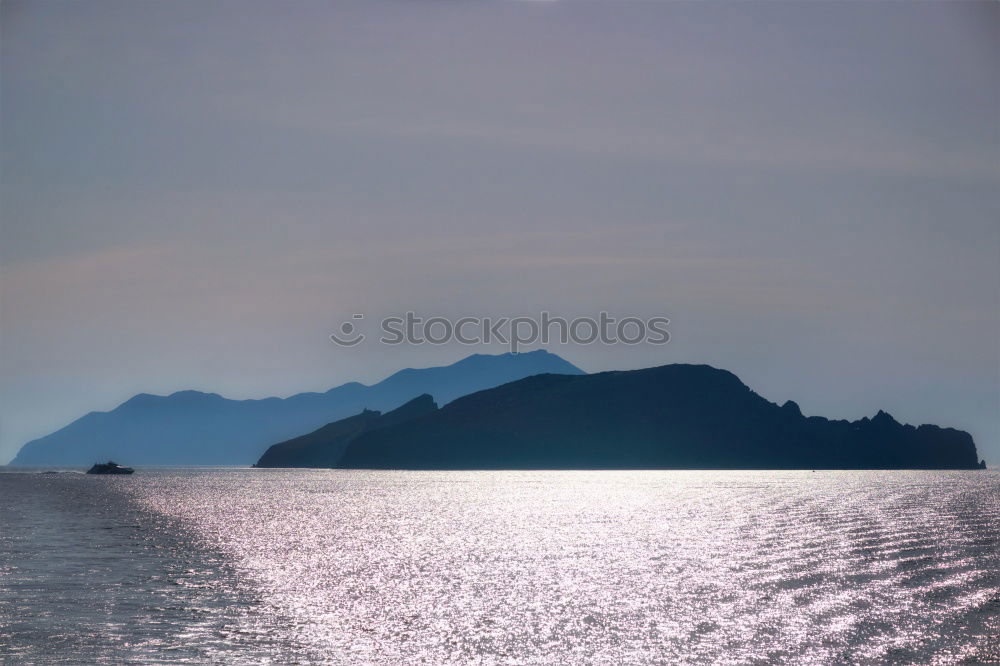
pixel 109 467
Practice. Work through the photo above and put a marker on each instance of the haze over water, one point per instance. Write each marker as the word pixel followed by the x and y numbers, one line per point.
pixel 312 566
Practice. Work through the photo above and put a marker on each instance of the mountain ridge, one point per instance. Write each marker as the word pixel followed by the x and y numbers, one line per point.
pixel 191 427
pixel 677 416
pixel 324 446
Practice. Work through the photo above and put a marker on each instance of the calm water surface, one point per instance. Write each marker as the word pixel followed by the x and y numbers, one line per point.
pixel 258 566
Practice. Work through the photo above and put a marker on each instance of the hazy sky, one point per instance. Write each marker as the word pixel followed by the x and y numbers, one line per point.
pixel 195 194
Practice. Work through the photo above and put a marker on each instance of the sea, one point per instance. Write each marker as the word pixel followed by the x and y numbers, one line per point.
pixel 246 566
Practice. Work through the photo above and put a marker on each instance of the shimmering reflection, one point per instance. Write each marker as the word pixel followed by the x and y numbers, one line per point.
pixel 600 567
pixel 585 567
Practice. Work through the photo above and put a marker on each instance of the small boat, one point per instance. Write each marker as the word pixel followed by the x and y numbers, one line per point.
pixel 109 467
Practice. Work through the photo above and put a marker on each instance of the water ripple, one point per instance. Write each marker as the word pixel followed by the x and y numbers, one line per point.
pixel 548 567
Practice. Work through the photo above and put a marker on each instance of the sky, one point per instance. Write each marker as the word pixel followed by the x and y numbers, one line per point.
pixel 195 195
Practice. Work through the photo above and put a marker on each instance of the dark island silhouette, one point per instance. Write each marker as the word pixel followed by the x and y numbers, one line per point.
pixel 195 428
pixel 669 417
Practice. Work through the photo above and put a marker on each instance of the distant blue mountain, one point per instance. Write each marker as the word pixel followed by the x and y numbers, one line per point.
pixel 195 428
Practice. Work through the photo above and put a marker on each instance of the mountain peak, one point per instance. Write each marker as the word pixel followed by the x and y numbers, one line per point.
pixel 520 364
pixel 884 418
